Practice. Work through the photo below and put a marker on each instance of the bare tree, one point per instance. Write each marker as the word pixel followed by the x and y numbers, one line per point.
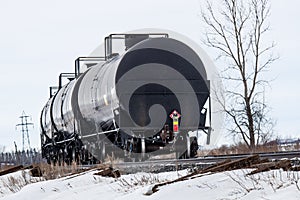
pixel 237 28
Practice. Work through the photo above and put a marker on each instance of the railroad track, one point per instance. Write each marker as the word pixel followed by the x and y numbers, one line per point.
pixel 178 164
pixel 199 162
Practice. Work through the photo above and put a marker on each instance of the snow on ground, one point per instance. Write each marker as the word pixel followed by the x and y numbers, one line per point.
pixel 236 184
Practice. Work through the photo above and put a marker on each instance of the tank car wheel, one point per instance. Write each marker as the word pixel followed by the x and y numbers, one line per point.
pixel 194 147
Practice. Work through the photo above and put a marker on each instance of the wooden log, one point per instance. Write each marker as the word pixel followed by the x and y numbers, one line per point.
pixel 283 164
pixel 104 172
pixel 11 170
pixel 36 171
pixel 236 164
pixel 216 165
pixel 263 165
pixel 116 173
pixel 109 172
pixel 297 168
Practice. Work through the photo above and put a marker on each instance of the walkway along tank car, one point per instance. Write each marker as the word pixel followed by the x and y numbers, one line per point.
pixel 135 104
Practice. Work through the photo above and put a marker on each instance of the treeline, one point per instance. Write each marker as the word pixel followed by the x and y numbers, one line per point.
pixel 27 157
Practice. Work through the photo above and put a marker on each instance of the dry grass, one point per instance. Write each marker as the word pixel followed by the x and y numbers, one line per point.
pixel 50 172
pixel 111 161
pixel 241 149
pixel 275 179
pixel 16 182
pixel 139 180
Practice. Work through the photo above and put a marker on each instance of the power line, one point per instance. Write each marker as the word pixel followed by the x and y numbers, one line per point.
pixel 24 129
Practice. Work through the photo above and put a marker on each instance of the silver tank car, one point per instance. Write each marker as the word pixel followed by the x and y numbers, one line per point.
pixel 122 103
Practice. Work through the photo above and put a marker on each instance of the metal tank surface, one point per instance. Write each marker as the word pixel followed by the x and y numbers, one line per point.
pixel 121 104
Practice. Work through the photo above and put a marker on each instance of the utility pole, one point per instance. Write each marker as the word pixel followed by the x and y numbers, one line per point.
pixel 24 129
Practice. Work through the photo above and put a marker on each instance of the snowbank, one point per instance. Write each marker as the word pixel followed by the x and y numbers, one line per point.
pixel 275 184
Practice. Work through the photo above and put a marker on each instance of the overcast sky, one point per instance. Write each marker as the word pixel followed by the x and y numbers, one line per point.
pixel 41 39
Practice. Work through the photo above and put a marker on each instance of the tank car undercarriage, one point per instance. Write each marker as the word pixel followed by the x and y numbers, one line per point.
pixel 97 149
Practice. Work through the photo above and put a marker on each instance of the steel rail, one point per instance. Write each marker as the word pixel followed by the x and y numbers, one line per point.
pixel 163 165
pixel 199 162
